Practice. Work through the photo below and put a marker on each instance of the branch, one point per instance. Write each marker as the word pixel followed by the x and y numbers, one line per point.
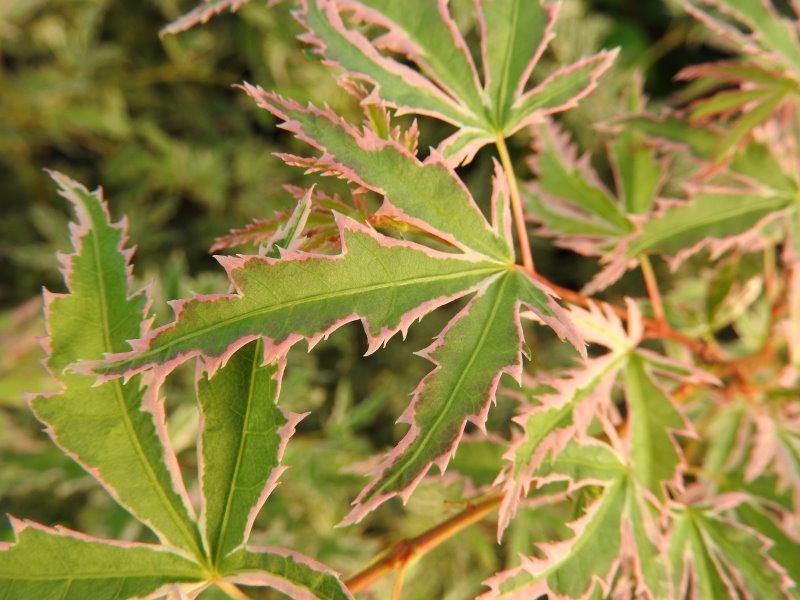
pixel 651 283
pixel 404 552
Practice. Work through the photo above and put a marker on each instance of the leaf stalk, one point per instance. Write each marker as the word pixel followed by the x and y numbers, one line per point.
pixel 516 206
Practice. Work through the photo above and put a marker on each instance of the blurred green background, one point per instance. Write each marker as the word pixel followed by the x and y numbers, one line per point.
pixel 88 87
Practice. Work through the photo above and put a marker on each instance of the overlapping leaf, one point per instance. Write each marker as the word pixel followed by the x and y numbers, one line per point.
pixel 446 84
pixel 616 527
pixel 721 558
pixel 581 395
pixel 736 210
pixel 384 282
pixel 755 27
pixel 118 434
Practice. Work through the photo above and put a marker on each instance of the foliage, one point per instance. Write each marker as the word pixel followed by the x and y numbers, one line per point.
pixel 647 448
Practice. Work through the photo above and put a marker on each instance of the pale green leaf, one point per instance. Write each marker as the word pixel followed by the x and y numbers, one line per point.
pixel 578 561
pixel 785 550
pixel 772 34
pixel 562 177
pixel 57 564
pixel 104 428
pixel 589 461
pixel 654 455
pixel 724 557
pixel 566 407
pixel 637 171
pixel 648 554
pixel 754 159
pixel 707 216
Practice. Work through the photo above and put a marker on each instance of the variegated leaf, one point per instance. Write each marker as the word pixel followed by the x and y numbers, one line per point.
pixel 720 558
pixel 242 440
pixel 471 354
pixel 59 563
pixel 110 430
pixel 446 84
pixel 105 428
pixel 384 282
pixel 616 527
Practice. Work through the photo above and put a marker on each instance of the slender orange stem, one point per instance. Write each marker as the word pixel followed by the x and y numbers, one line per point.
pixel 398 582
pixel 405 552
pixel 651 283
pixel 516 206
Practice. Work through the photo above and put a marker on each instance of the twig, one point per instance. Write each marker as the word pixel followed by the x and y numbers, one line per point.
pixel 651 284
pixel 516 206
pixel 398 582
pixel 404 552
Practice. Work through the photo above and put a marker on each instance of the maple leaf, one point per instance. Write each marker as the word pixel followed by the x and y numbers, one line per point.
pixel 385 283
pixel 617 527
pixel 446 84
pixel 721 557
pixel 749 196
pixel 571 400
pixel 118 434
pixel 568 197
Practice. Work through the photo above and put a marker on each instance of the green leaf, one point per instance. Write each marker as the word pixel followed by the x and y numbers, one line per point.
pixel 243 436
pixel 654 454
pixel 110 429
pixel 286 571
pixel 637 171
pixel 724 557
pixel 588 461
pixel 725 101
pixel 686 541
pixel 784 549
pixel 104 428
pixel 61 564
pixel 562 177
pixel 772 35
pixel 446 84
pixel 385 282
pixel 567 405
pixel 514 34
pixel 427 195
pixel 649 555
pixel 351 51
pixel 482 342
pixel 578 562
pixel 755 160
pixel 706 217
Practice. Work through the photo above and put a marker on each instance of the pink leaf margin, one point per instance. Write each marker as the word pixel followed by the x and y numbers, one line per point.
pixel 275 349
